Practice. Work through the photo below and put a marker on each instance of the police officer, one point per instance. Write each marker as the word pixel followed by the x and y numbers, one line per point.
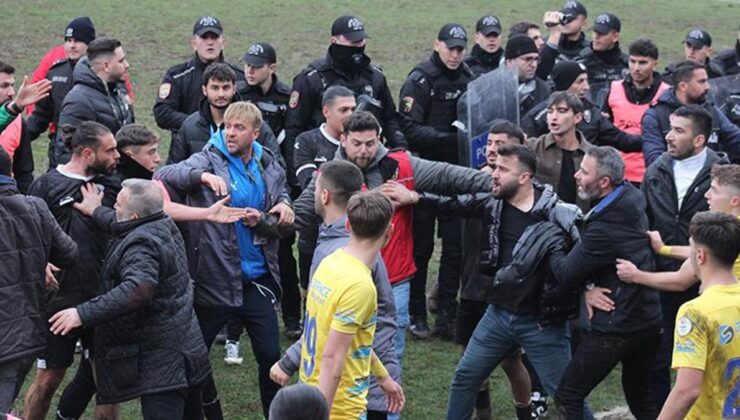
pixel 345 65
pixel 180 93
pixel 271 97
pixel 697 48
pixel 604 59
pixel 487 53
pixel 566 39
pixel 729 60
pixel 428 108
pixel 78 34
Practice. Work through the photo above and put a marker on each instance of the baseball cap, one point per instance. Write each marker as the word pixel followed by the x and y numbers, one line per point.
pixel 207 24
pixel 571 9
pixel 453 35
pixel 350 27
pixel 607 22
pixel 698 38
pixel 259 54
pixel 488 25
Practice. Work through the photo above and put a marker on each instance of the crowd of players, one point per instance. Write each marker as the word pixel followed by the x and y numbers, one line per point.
pixel 603 227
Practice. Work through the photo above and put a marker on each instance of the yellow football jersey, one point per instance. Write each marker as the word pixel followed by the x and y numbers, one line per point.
pixel 705 339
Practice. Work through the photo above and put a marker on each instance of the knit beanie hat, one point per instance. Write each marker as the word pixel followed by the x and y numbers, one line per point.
pixel 80 28
pixel 565 73
pixel 519 45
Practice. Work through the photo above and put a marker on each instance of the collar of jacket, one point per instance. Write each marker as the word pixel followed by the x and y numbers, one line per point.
pixel 200 65
pixel 607 200
pixel 207 116
pixel 129 168
pixel 582 143
pixel 8 186
pixel 124 228
pixel 611 56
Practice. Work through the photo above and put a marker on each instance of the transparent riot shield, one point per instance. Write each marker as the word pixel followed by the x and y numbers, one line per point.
pixel 724 93
pixel 489 97
pixel 597 93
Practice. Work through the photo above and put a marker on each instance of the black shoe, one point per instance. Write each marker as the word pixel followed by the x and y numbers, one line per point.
pixel 293 330
pixel 419 328
pixel 444 325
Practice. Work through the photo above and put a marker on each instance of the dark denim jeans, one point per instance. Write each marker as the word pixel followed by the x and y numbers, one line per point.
pixel 497 333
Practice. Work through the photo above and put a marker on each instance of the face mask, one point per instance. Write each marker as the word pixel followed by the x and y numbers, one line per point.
pixel 348 57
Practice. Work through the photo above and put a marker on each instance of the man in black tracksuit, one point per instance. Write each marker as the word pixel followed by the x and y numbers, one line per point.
pixel 628 331
pixel 674 187
pixel 94 157
pixel 487 54
pixel 428 107
pixel 345 65
pixel 180 92
pixel 604 59
pixel 78 34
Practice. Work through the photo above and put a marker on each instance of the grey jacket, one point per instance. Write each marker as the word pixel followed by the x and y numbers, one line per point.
pixel 331 238
pixel 213 251
pixel 429 176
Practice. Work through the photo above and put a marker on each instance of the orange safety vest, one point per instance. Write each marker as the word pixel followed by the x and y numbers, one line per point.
pixel 398 254
pixel 628 118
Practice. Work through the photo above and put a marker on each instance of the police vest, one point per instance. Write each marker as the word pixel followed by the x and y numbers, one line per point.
pixel 444 94
pixel 398 254
pixel 360 85
pixel 10 138
pixel 628 118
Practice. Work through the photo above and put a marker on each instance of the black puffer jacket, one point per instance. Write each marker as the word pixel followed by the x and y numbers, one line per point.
pixel 517 298
pixel 197 130
pixel 147 338
pixel 614 228
pixel 90 99
pixel 59 191
pixel 30 238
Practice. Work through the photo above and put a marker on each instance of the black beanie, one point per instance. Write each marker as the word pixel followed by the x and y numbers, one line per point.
pixel 519 45
pixel 80 28
pixel 565 73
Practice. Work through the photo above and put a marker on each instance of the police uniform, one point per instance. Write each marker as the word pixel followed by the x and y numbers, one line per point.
pixel 181 92
pixel 605 67
pixel 479 61
pixel 273 104
pixel 47 110
pixel 428 107
pixel 729 60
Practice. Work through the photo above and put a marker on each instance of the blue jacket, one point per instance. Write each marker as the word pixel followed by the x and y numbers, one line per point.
pixel 656 125
pixel 214 256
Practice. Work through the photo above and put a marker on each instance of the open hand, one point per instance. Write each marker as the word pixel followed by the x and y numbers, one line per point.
pixel 394 394
pixel 30 94
pixel 596 298
pixel 92 198
pixel 215 182
pixel 65 321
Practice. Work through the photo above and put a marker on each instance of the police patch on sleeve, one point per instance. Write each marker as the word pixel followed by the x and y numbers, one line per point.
pixel 407 104
pixel 164 90
pixel 683 326
pixel 294 96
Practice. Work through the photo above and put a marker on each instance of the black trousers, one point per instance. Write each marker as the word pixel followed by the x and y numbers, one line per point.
pixel 597 355
pixel 180 404
pixel 258 315
pixel 450 229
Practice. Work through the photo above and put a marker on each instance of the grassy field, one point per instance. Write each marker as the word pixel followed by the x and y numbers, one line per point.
pixel 155 36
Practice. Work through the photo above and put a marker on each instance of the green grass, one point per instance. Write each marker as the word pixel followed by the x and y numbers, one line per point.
pixel 155 36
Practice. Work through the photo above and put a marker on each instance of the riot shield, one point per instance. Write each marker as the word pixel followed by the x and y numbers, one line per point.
pixel 724 93
pixel 489 97
pixel 597 93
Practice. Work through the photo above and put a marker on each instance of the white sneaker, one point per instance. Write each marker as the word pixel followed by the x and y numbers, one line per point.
pixel 232 353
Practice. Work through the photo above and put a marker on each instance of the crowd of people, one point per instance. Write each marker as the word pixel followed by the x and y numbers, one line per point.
pixel 602 228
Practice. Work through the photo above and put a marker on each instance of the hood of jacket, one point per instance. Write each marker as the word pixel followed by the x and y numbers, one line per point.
pixel 84 74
